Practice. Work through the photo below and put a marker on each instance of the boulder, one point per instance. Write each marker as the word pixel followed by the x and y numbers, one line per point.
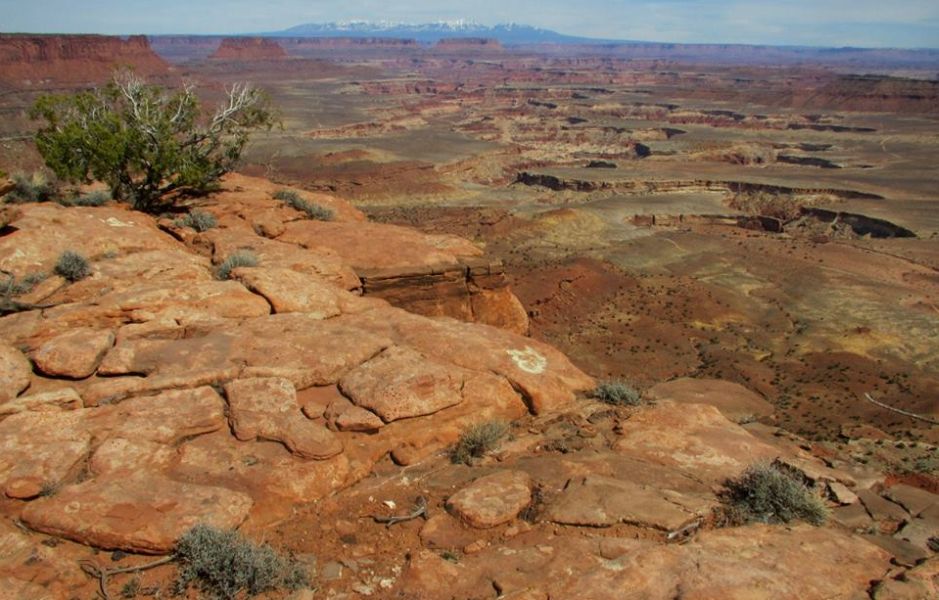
pixel 290 291
pixel 275 478
pixel 287 345
pixel 492 499
pixel 46 230
pixel 379 247
pixel 165 418
pixel 74 354
pixel 55 400
pixel 597 501
pixel 695 438
pixel 267 408
pixel 914 500
pixel 733 400
pixel 401 383
pixel 38 450
pixel 323 263
pixel 144 513
pixel 882 509
pixel 15 371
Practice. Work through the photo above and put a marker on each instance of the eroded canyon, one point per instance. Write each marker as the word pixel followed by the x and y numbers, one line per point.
pixel 751 240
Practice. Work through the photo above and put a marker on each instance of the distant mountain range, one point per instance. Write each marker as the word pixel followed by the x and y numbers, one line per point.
pixel 507 33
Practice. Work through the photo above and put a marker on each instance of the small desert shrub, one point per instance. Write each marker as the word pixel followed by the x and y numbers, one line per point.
pixel 241 258
pixel 37 187
pixel 478 440
pixel 313 211
pixel 97 198
pixel 770 493
pixel 198 220
pixel 17 287
pixel 72 266
pixel 223 564
pixel 617 393
pixel 131 588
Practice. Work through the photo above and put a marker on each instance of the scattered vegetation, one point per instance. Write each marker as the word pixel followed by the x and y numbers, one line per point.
pixel 313 211
pixel 771 493
pixel 96 198
pixel 72 266
pixel 36 187
pixel 241 258
pixel 224 565
pixel 146 142
pixel 131 588
pixel 198 220
pixel 618 393
pixel 17 287
pixel 478 440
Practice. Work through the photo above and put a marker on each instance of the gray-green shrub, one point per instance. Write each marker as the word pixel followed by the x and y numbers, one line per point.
pixel 36 187
pixel 225 565
pixel 618 393
pixel 72 266
pixel 771 493
pixel 478 440
pixel 313 211
pixel 198 220
pixel 241 258
pixel 96 198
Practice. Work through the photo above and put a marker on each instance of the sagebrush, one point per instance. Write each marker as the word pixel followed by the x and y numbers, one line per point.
pixel 311 210
pixel 478 440
pixel 241 258
pixel 771 493
pixel 35 187
pixel 618 393
pixel 224 565
pixel 198 220
pixel 72 266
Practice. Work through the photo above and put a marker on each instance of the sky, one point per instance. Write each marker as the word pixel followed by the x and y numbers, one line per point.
pixel 866 23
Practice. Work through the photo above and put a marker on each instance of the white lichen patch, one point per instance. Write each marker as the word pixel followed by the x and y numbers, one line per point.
pixel 529 360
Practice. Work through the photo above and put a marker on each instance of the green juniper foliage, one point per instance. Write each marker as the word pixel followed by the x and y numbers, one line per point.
pixel 144 141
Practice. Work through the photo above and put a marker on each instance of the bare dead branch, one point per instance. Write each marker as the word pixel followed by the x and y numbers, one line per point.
pixel 901 412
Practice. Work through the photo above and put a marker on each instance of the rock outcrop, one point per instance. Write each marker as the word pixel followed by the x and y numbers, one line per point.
pixel 248 48
pixel 152 396
pixel 43 60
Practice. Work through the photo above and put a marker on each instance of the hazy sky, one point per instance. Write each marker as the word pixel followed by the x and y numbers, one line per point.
pixel 903 23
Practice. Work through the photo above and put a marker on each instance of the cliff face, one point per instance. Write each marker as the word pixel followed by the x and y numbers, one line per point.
pixel 248 49
pixel 67 59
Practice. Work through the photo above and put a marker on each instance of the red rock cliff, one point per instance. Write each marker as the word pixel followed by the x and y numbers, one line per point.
pixel 249 49
pixel 69 59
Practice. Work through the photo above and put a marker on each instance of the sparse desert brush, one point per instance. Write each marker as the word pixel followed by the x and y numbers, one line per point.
pixel 225 565
pixel 198 220
pixel 313 211
pixel 16 287
pixel 618 393
pixel 241 258
pixel 478 440
pixel 72 266
pixel 36 187
pixel 771 493
pixel 96 198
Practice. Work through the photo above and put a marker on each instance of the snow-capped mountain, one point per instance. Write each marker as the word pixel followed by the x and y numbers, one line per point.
pixel 507 33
